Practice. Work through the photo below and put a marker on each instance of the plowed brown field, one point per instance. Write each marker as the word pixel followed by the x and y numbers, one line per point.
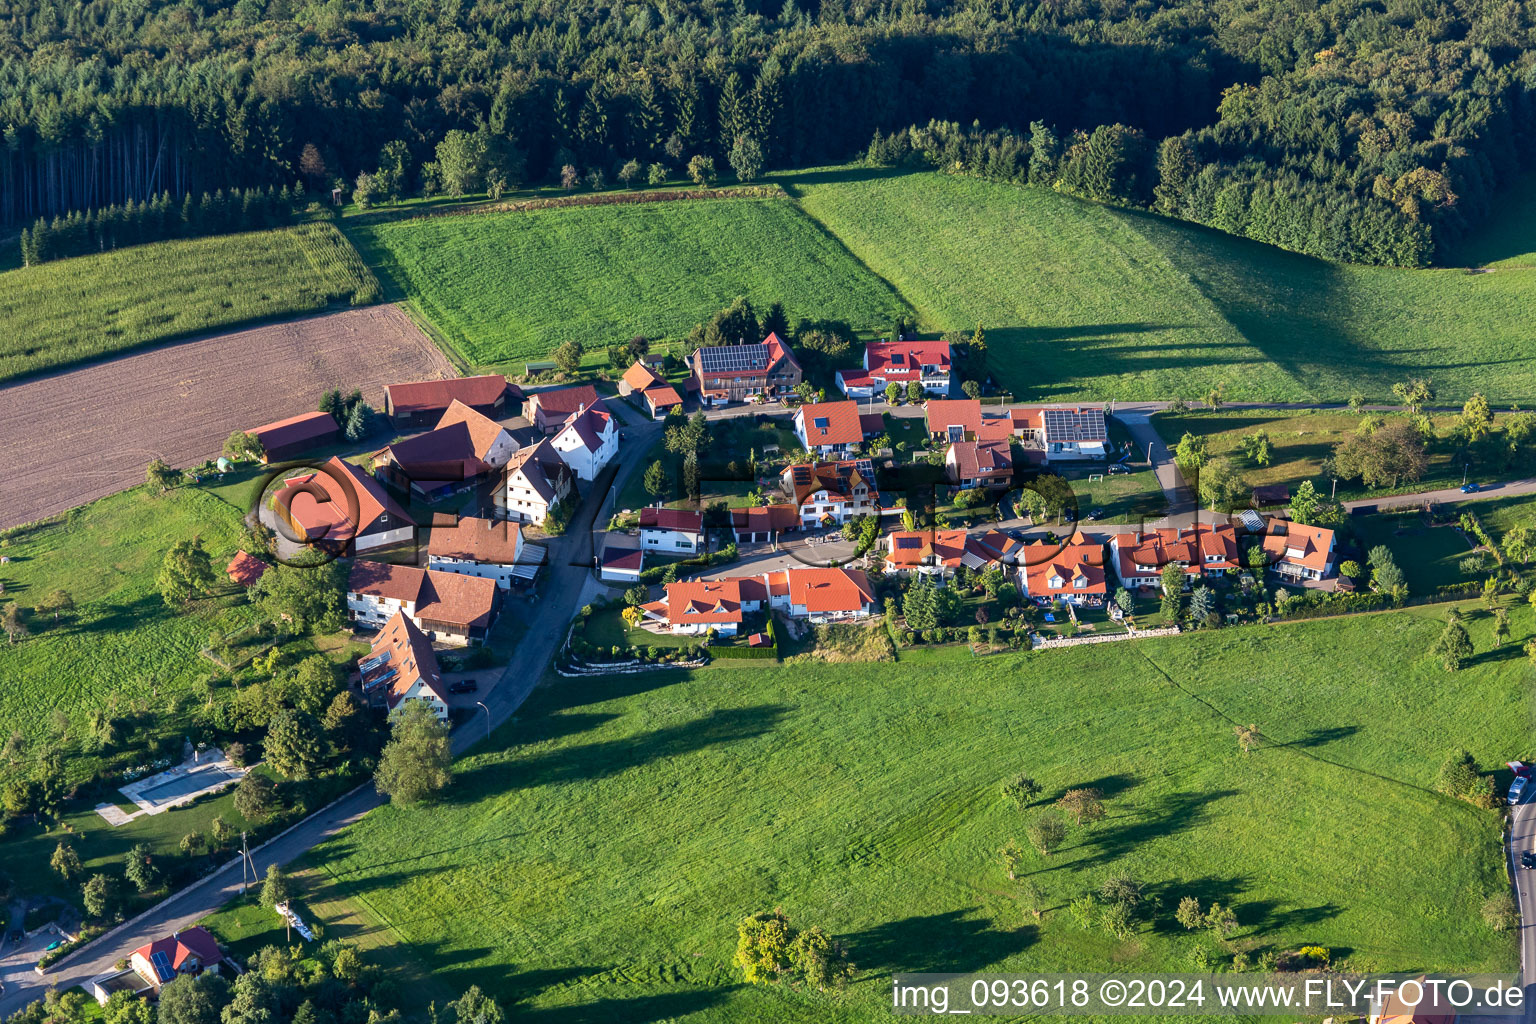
pixel 78 435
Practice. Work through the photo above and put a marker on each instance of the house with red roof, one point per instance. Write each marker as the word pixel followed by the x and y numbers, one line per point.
pixel 341 508
pixel 535 480
pixel 450 608
pixel 587 441
pixel 671 530
pixel 1297 551
pixel 1202 550
pixel 832 594
pixel 622 560
pixel 829 428
pixel 296 435
pixel 190 951
pixel 931 552
pixel 463 447
pixel 764 523
pixel 979 464
pixel 477 547
pixel 420 403
pixel 400 665
pixel 952 420
pixel 644 385
pixel 930 363
pixel 819 595
pixel 245 569
pixel 838 491
pixel 1075 572
pixel 692 607
pixel 548 410
pixel 734 373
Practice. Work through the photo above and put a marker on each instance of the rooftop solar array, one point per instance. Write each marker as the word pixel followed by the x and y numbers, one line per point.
pixel 161 961
pixel 1074 424
pixel 734 358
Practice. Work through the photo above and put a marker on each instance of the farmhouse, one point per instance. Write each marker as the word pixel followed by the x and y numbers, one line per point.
pixel 535 480
pixel 899 362
pixel 1139 557
pixel 296 435
pixel 587 441
pixel 829 428
pixel 245 569
pixel 341 508
pixel 400 666
pixel 671 529
pixel 1074 572
pixel 188 952
pixel 463 447
pixel 1297 551
pixel 641 383
pixel 450 608
pixel 422 402
pixel 548 410
pixel 763 523
pixel 1062 435
pixel 934 552
pixel 832 490
pixel 979 464
pixel 734 373
pixel 477 547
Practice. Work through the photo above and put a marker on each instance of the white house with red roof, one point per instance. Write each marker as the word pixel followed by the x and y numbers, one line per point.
pixel 535 480
pixel 342 508
pixel 692 607
pixel 645 384
pixel 449 607
pixel 1203 550
pixel 400 665
pixel 190 951
pixel 1075 572
pixel 671 530
pixel 930 363
pixel 979 464
pixel 829 428
pixel 734 373
pixel 477 547
pixel 464 446
pixel 838 490
pixel 931 552
pixel 588 441
pixel 819 595
pixel 548 410
pixel 1298 551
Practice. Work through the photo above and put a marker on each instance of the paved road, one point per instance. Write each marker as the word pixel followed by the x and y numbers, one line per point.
pixel 567 582
pixel 1447 495
pixel 1522 836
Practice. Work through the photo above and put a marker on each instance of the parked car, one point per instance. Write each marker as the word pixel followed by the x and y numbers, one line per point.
pixel 1117 468
pixel 464 686
pixel 1516 791
pixel 1471 488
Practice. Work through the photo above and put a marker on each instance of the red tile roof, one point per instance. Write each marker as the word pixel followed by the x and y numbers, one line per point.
pixel 1077 559
pixel 558 404
pixel 838 479
pixel 678 520
pixel 905 549
pixel 339 502
pixel 589 425
pixel 1295 544
pixel 704 602
pixel 830 423
pixel 448 597
pixel 311 426
pixel 477 540
pixel 662 396
pixel 399 657
pixel 872 424
pixel 765 517
pixel 543 468
pixel 1191 546
pixel 245 569
pixel 429 395
pixel 981 460
pixel 185 944
pixel 942 413
pixel 904 360
pixel 829 590
pixel 484 432
pixel 639 377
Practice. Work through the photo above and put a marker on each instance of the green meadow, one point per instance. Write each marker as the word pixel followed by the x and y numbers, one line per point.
pixel 590 863
pixel 505 287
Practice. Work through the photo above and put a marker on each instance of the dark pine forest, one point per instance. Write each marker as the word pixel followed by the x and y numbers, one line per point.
pixel 1353 129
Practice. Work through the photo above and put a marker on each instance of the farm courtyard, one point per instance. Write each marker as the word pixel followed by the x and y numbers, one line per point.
pixel 103 423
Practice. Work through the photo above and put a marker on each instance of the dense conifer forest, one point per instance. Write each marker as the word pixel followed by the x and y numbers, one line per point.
pixel 1356 129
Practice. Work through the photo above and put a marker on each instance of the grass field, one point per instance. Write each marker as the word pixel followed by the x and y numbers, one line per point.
pixel 592 861
pixel 1430 556
pixel 153 293
pixel 502 288
pixel 1086 301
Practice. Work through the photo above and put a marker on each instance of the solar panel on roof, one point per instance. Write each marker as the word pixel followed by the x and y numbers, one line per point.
pixel 822 423
pixel 162 964
pixel 909 542
pixel 733 358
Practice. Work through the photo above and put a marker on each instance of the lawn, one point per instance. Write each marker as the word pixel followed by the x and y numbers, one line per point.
pixel 1430 556
pixel 1087 301
pixel 153 293
pixel 504 287
pixel 865 799
pixel 1299 442
pixel 1124 497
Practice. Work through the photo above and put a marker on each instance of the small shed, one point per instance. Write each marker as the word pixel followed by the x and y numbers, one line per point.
pixel 1271 496
pixel 538 366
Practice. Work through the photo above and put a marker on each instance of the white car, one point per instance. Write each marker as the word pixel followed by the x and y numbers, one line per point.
pixel 1516 791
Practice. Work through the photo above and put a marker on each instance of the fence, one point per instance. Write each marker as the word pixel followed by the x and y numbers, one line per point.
pixel 1074 641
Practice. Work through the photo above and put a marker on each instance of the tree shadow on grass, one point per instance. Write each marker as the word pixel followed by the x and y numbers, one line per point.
pixel 951 942
pixel 1109 787
pixel 1322 737
pixel 588 762
pixel 1168 816
pixel 663 1006
pixel 1208 890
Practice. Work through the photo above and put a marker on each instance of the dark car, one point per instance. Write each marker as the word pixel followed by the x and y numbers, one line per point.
pixel 463 686
pixel 1527 859
pixel 1471 488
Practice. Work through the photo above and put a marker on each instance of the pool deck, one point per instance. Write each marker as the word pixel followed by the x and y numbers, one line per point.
pixel 212 762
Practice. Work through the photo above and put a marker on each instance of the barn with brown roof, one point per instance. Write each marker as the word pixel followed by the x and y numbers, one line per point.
pixel 295 435
pixel 420 403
